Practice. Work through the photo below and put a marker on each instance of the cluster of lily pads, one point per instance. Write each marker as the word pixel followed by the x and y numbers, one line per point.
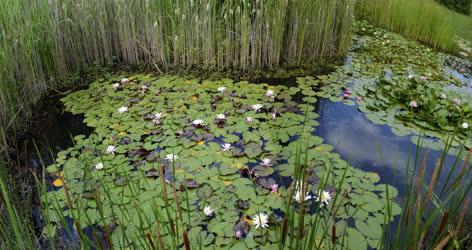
pixel 403 84
pixel 214 158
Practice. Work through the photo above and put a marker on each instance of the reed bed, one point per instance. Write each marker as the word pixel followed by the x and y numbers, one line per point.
pixel 43 42
pixel 422 20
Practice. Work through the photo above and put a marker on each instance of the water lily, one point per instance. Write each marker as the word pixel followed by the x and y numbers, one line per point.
pixel 171 157
pixel 457 101
pixel 249 119
pixel 266 162
pixel 116 86
pixel 443 96
pixel 269 93
pixel 208 211
pixel 99 166
pixel 122 110
pixel 413 104
pixel 465 125
pixel 238 234
pixel 257 107
pixel 260 220
pixel 410 76
pixel 323 198
pixel 221 89
pixel 198 122
pixel 220 116
pixel 157 118
pixel 274 188
pixel 144 87
pixel 124 81
pixel 297 196
pixel 423 78
pixel 111 149
pixel 226 147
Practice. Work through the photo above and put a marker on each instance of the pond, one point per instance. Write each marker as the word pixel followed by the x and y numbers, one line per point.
pixel 238 158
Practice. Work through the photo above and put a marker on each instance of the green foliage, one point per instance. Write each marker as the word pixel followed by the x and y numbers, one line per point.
pixel 461 6
pixel 42 42
pixel 400 71
pixel 138 184
pixel 423 20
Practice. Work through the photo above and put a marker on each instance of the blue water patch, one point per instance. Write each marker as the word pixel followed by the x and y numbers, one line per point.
pixel 375 148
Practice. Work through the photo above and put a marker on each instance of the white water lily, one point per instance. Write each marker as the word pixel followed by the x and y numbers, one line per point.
pixel 226 147
pixel 220 116
pixel 123 109
pixel 221 89
pixel 124 81
pixel 260 220
pixel 323 198
pixel 116 86
pixel 158 115
pixel 410 76
pixel 99 166
pixel 249 119
pixel 457 101
pixel 443 96
pixel 171 157
pixel 269 93
pixel 465 125
pixel 266 162
pixel 274 114
pixel 144 87
pixel 111 149
pixel 198 122
pixel 298 196
pixel 257 107
pixel 208 211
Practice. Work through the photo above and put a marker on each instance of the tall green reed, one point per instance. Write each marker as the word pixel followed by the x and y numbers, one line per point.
pixel 423 20
pixel 43 42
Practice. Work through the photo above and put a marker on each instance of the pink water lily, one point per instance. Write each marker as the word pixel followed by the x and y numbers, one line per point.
pixel 274 188
pixel 269 93
pixel 238 234
pixel 413 104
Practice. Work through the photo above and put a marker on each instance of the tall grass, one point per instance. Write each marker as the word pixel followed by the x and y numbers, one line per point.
pixel 44 41
pixel 423 20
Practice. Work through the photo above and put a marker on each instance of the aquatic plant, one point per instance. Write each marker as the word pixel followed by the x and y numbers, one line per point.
pixel 400 87
pixel 42 43
pixel 240 172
